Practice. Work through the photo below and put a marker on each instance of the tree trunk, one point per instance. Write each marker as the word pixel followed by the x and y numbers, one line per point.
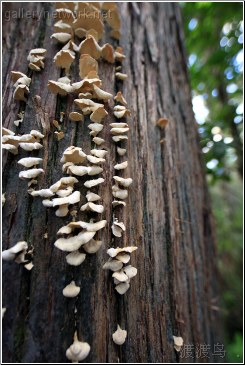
pixel 167 214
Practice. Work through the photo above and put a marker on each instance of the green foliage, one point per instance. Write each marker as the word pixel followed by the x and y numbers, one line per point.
pixel 227 207
pixel 235 350
pixel 214 44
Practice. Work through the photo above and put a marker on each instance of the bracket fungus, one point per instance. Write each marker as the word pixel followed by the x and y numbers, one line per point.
pixel 121 166
pixel 36 58
pixel 121 76
pixel 98 208
pixel 30 174
pixel 120 98
pixel 92 246
pixel 117 228
pixel 119 336
pixel 20 92
pixel 162 122
pixel 122 274
pixel 71 290
pixel 121 111
pixel 73 154
pixel 14 253
pixel 94 182
pixel 178 343
pixel 78 351
pixel 64 59
pixel 76 117
pixel 124 182
pixel 75 258
pixel 30 161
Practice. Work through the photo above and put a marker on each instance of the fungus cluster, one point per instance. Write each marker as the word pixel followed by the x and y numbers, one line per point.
pixel 19 253
pixel 36 59
pixel 21 85
pixel 78 237
pixel 27 142
pixel 118 263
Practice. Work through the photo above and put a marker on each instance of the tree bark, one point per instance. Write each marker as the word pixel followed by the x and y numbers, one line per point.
pixel 167 215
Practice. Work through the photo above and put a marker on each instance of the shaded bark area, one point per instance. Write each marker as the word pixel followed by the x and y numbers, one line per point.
pixel 167 215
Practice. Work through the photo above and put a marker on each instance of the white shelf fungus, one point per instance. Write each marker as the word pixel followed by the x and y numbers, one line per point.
pixel 119 337
pixel 178 343
pixel 71 290
pixel 74 243
pixel 122 288
pixel 118 228
pixel 75 258
pixel 30 174
pixel 78 351
pixel 94 182
pixel 12 253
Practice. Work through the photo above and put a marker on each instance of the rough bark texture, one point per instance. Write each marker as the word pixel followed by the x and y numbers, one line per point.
pixel 167 214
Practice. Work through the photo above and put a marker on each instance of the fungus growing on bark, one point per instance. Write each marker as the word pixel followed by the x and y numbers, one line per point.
pixel 99 153
pixel 92 197
pixel 120 98
pixel 121 111
pixel 119 337
pixel 20 78
pixel 30 161
pixel 64 202
pixel 64 59
pixel 92 246
pixel 95 128
pixel 21 116
pixel 124 182
pixel 86 65
pixel 120 276
pixel 119 193
pixel 119 138
pixel 78 351
pixel 14 252
pixel 129 270
pixel 75 258
pixel 117 228
pixel 162 122
pixel 98 208
pixel 76 117
pixel 178 343
pixel 121 166
pixel 101 94
pixel 118 202
pixel 30 146
pixel 74 243
pixel 95 160
pixel 71 290
pixel 59 135
pixel 121 76
pixel 11 148
pixel 61 37
pixel 20 92
pixel 58 87
pixel 113 252
pixel 44 193
pixel 95 182
pixel 99 141
pixel 30 174
pixel 73 154
pixel 122 288
pixel 113 265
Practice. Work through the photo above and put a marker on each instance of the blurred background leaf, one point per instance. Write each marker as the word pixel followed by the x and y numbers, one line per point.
pixel 214 42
